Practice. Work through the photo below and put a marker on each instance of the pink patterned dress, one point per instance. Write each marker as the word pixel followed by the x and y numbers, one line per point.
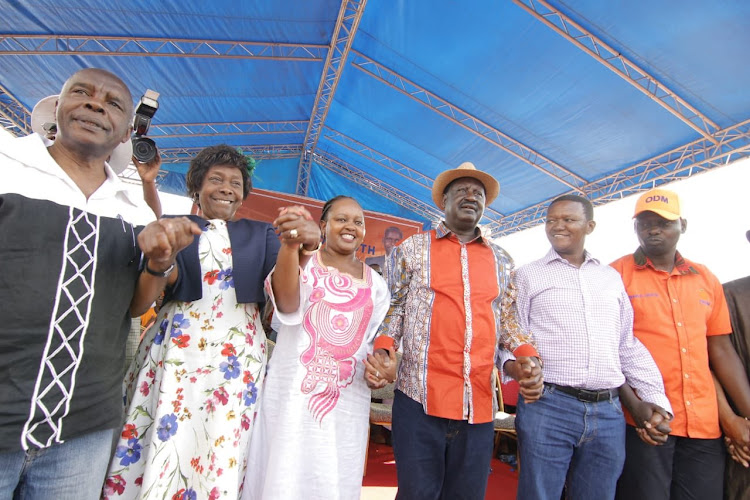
pixel 310 437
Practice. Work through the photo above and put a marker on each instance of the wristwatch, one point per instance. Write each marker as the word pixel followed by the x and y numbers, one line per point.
pixel 164 274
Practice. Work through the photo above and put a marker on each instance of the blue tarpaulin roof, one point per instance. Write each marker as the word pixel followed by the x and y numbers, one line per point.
pixel 375 99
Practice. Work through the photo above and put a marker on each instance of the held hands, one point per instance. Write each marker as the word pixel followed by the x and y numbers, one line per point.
pixel 162 239
pixel 737 439
pixel 148 171
pixel 295 226
pixel 652 422
pixel 380 368
pixel 528 372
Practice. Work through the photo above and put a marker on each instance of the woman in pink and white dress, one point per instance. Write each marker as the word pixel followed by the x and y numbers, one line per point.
pixel 310 438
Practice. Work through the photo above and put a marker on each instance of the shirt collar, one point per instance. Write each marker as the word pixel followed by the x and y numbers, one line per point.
pixel 552 256
pixel 442 231
pixel 681 265
pixel 31 150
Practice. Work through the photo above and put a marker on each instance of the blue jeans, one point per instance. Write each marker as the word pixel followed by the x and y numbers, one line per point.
pixel 564 441
pixel 73 470
pixel 439 458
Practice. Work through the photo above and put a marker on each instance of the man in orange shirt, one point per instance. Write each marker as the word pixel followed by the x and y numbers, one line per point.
pixel 681 316
pixel 453 305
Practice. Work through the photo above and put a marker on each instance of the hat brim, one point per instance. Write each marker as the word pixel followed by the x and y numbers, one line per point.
pixel 491 186
pixel 662 213
pixel 43 112
pixel 121 156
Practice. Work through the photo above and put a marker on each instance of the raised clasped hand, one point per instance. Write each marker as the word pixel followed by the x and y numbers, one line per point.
pixel 295 226
pixel 162 239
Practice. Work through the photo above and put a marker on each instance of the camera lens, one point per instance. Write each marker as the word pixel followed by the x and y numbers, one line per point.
pixel 144 149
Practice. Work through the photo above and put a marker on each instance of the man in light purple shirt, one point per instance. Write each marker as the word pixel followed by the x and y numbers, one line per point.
pixel 582 321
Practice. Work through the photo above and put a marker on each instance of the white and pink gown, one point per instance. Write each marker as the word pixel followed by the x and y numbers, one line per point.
pixel 310 438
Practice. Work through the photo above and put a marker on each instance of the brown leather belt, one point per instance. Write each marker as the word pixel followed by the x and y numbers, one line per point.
pixel 586 395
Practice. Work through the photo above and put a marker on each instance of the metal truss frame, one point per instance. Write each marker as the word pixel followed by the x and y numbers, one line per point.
pixel 467 121
pixel 344 31
pixel 386 162
pixel 222 129
pixel 619 64
pixel 31 44
pixel 259 152
pixel 130 176
pixel 692 158
pixel 13 115
pixel 354 174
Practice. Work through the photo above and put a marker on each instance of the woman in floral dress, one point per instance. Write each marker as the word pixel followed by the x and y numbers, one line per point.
pixel 311 435
pixel 192 391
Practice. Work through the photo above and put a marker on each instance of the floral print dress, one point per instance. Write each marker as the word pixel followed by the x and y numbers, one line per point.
pixel 191 392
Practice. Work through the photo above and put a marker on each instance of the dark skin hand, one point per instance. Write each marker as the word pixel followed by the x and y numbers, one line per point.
pixel 380 368
pixel 528 372
pixel 728 369
pixel 160 242
pixel 652 420
pixel 148 172
pixel 736 429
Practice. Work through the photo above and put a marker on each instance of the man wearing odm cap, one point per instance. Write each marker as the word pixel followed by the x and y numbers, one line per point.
pixel 453 305
pixel 680 315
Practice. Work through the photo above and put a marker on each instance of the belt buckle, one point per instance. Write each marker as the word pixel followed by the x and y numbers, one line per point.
pixel 588 396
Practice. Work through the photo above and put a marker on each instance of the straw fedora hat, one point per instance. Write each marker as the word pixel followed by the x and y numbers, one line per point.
pixel 466 169
pixel 44 112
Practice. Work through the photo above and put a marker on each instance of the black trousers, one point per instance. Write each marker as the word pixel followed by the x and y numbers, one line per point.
pixel 681 469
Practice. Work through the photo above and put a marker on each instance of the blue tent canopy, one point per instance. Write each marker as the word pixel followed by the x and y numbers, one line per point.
pixel 375 99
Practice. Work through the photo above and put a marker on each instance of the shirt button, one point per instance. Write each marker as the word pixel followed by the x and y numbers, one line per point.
pixel 687 403
pixel 679 324
pixel 674 300
pixel 684 350
pixel 687 376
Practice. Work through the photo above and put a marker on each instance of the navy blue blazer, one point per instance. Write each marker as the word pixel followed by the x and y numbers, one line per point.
pixel 254 249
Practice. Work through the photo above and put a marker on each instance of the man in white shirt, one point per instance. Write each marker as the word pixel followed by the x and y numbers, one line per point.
pixel 581 319
pixel 71 274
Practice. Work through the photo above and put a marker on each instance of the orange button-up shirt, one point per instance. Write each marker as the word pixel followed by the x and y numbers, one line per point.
pixel 675 313
pixel 452 303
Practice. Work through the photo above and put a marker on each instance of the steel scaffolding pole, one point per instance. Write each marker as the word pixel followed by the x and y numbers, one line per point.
pixel 222 129
pixel 620 65
pixel 14 116
pixel 386 162
pixel 344 31
pixel 30 44
pixel 467 121
pixel 259 152
pixel 130 175
pixel 695 157
pixel 375 185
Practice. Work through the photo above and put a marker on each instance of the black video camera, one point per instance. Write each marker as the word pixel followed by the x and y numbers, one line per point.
pixel 144 149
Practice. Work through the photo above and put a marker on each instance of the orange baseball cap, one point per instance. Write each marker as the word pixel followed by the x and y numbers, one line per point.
pixel 661 202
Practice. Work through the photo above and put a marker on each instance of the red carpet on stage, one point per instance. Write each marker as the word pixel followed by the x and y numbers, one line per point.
pixel 379 482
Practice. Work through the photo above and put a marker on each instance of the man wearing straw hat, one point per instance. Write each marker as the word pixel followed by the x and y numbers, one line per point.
pixel 70 265
pixel 453 308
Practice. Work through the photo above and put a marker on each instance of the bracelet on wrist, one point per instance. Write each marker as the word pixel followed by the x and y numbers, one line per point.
pixel 305 251
pixel 160 274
